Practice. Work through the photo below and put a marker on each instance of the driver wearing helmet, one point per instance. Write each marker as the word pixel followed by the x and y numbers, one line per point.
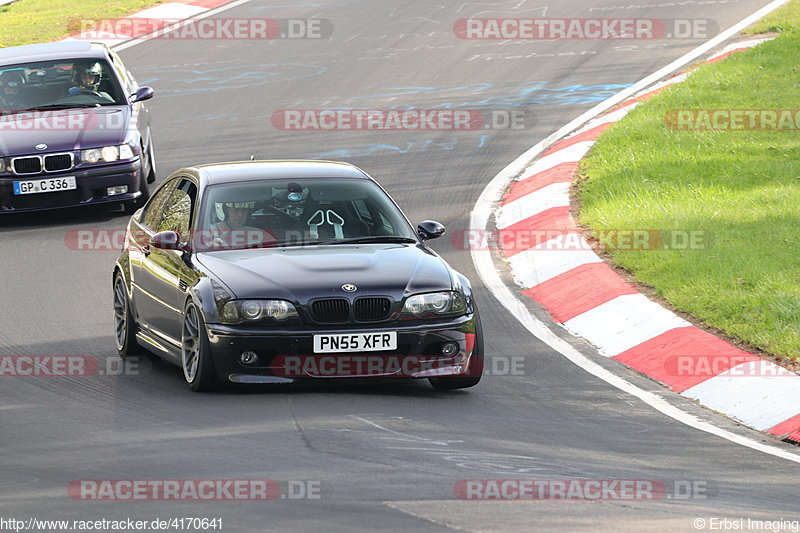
pixel 12 95
pixel 232 228
pixel 86 77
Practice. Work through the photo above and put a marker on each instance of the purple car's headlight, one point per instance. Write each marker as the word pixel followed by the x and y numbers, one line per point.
pixel 107 154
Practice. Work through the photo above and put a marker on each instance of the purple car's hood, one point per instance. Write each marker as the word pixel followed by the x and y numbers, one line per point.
pixel 63 130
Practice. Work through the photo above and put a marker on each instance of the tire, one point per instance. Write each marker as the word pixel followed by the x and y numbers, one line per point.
pixel 132 206
pixel 475 365
pixel 198 370
pixel 151 162
pixel 124 324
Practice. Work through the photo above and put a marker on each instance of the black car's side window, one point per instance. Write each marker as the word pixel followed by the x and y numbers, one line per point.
pixel 151 218
pixel 178 213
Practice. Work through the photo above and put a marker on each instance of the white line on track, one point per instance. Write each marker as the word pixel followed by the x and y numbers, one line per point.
pixel 481 213
pixel 205 14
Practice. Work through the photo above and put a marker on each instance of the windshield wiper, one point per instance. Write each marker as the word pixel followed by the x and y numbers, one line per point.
pixel 371 238
pixel 60 106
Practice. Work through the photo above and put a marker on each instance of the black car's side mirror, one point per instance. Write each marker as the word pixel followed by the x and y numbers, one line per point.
pixel 142 94
pixel 430 229
pixel 167 240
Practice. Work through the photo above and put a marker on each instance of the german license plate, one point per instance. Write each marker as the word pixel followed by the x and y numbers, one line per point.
pixel 66 183
pixel 356 342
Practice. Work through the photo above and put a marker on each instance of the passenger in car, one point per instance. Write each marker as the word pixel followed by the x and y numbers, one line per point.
pixel 13 96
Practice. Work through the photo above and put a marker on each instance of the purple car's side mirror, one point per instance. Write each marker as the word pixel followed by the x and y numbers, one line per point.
pixel 142 94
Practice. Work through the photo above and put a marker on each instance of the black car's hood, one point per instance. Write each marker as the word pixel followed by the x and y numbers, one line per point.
pixel 301 273
pixel 63 130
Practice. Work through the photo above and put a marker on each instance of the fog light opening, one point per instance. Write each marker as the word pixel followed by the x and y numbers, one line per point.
pixel 248 357
pixel 449 349
pixel 119 189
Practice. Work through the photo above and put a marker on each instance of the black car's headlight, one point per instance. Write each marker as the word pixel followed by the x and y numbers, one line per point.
pixel 437 303
pixel 238 311
pixel 107 154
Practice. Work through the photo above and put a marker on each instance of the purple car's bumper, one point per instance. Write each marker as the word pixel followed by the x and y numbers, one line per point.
pixel 92 188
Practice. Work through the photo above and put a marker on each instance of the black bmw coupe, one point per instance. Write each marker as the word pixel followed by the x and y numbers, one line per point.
pixel 287 271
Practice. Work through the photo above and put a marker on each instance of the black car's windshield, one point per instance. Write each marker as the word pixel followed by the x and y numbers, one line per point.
pixel 304 212
pixel 62 84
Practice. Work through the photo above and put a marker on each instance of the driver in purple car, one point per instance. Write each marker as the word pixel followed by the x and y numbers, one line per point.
pixel 86 79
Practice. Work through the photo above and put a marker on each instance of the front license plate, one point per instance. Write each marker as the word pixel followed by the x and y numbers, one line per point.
pixel 66 183
pixel 356 342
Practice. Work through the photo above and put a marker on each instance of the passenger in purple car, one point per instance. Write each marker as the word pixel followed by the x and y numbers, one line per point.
pixel 13 95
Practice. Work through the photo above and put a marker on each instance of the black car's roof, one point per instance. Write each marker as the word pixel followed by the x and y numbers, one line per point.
pixel 51 51
pixel 278 170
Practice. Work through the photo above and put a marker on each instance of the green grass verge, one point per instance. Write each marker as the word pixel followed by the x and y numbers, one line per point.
pixel 38 21
pixel 782 20
pixel 741 186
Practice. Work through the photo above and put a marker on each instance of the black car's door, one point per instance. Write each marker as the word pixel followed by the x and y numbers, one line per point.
pixel 146 303
pixel 163 274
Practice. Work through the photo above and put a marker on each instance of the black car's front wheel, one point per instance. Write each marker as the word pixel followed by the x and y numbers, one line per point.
pixel 124 323
pixel 198 370
pixel 474 371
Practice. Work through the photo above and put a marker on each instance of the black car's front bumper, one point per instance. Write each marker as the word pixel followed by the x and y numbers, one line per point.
pixel 286 356
pixel 92 188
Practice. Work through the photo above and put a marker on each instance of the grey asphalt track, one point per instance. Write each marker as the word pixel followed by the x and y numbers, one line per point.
pixel 387 457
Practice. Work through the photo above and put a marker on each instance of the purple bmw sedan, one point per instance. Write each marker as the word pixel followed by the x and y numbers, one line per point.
pixel 73 129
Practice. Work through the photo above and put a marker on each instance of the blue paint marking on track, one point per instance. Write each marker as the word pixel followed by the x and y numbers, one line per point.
pixel 405 148
pixel 516 95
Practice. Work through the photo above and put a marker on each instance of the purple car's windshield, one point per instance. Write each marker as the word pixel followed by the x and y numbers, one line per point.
pixel 257 214
pixel 62 84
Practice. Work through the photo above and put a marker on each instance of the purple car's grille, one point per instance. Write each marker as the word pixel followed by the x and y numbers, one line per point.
pixel 27 165
pixel 53 163
pixel 331 311
pixel 372 309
